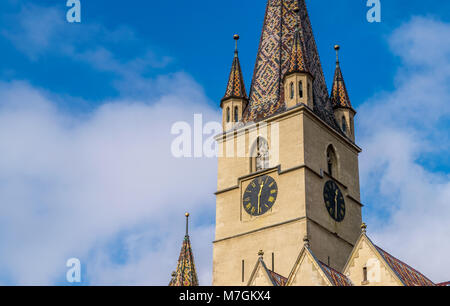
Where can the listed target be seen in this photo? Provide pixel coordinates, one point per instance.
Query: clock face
(334, 201)
(260, 195)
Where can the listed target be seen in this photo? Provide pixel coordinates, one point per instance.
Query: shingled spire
(235, 100)
(343, 110)
(185, 274)
(272, 62)
(339, 94)
(235, 86)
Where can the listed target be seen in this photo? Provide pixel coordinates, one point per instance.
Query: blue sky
(77, 98)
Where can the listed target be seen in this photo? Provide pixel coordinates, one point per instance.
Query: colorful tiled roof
(445, 284)
(235, 85)
(298, 58)
(272, 62)
(279, 280)
(339, 94)
(335, 277)
(275, 278)
(185, 274)
(407, 275)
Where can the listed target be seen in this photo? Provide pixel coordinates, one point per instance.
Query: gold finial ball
(364, 227)
(261, 253)
(187, 214)
(236, 37)
(337, 47)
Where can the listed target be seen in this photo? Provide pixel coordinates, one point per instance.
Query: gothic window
(236, 114)
(300, 89)
(365, 274)
(344, 124)
(331, 161)
(292, 90)
(228, 114)
(260, 155)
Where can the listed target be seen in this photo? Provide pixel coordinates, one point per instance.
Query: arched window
(228, 114)
(300, 89)
(344, 124)
(292, 90)
(236, 114)
(260, 155)
(331, 161)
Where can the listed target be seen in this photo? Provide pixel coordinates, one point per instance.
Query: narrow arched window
(292, 90)
(300, 89)
(236, 114)
(228, 114)
(344, 124)
(260, 155)
(331, 161)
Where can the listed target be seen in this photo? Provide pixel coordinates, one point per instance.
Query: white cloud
(71, 184)
(410, 203)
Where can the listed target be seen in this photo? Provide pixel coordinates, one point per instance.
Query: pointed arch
(228, 114)
(344, 124)
(236, 114)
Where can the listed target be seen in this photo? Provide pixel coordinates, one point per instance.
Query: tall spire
(339, 94)
(235, 86)
(272, 62)
(185, 274)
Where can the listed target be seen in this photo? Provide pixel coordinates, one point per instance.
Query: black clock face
(334, 201)
(260, 195)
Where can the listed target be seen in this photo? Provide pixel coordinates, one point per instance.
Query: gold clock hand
(259, 197)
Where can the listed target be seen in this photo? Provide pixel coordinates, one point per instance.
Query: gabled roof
(274, 278)
(445, 284)
(333, 277)
(235, 85)
(185, 274)
(407, 275)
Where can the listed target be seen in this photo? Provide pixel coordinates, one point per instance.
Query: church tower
(288, 170)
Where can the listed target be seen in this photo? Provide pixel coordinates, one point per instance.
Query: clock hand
(336, 203)
(259, 197)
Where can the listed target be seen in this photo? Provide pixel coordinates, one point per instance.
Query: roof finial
(364, 228)
(236, 38)
(187, 223)
(261, 254)
(306, 241)
(337, 48)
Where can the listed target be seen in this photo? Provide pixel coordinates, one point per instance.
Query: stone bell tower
(298, 178)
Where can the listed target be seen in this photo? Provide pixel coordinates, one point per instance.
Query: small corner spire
(235, 86)
(339, 94)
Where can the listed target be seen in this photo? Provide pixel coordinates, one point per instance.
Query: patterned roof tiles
(339, 94)
(407, 275)
(272, 62)
(185, 274)
(335, 277)
(235, 85)
(278, 279)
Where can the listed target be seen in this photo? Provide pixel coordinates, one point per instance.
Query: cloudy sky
(86, 112)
